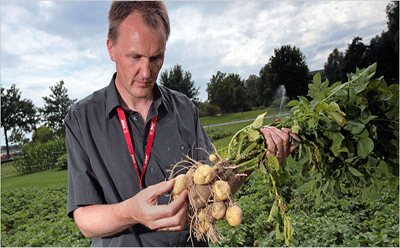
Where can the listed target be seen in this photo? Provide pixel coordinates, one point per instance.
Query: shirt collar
(112, 101)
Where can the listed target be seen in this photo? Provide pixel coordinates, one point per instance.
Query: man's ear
(110, 48)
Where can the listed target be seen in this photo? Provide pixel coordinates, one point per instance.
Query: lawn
(209, 120)
(10, 180)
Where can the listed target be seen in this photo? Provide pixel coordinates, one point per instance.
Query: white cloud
(245, 33)
(14, 14)
(46, 10)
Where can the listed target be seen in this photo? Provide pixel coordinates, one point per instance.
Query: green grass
(10, 179)
(209, 120)
(7, 170)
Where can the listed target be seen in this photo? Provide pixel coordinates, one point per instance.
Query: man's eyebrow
(156, 54)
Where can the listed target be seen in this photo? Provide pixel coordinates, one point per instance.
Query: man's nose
(145, 70)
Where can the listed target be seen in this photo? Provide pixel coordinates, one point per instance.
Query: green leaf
(337, 144)
(321, 106)
(365, 147)
(354, 127)
(295, 129)
(355, 172)
(317, 79)
(369, 118)
(333, 106)
(253, 134)
(293, 103)
(259, 121)
(274, 211)
(338, 118)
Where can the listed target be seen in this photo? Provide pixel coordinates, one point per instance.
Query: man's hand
(144, 209)
(278, 142)
(107, 219)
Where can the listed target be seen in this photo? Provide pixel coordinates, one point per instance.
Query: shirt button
(182, 147)
(151, 170)
(135, 118)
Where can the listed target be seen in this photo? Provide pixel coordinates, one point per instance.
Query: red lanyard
(150, 139)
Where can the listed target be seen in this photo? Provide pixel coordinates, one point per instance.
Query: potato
(221, 190)
(234, 215)
(198, 195)
(212, 158)
(204, 174)
(202, 214)
(180, 185)
(202, 227)
(218, 210)
(190, 173)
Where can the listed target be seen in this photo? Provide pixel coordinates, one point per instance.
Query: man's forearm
(102, 220)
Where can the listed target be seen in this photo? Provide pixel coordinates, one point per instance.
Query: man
(122, 139)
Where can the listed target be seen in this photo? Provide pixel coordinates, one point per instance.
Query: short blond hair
(154, 14)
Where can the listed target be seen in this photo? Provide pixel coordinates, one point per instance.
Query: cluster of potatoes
(210, 198)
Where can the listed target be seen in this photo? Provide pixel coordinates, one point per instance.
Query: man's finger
(166, 211)
(293, 135)
(161, 188)
(269, 141)
(174, 217)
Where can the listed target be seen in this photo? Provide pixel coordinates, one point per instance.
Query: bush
(62, 162)
(207, 109)
(38, 156)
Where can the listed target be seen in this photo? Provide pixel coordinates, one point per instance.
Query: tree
(240, 102)
(355, 56)
(384, 49)
(267, 77)
(17, 136)
(251, 86)
(289, 68)
(16, 113)
(56, 107)
(221, 92)
(392, 13)
(333, 67)
(180, 81)
(42, 134)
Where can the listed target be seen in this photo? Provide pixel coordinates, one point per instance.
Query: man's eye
(155, 58)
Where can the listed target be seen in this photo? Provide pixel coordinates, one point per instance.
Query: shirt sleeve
(83, 187)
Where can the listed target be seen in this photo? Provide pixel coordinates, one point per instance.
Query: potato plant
(349, 134)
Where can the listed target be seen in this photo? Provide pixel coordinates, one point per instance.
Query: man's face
(138, 55)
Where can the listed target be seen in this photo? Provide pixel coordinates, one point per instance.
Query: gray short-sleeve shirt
(100, 169)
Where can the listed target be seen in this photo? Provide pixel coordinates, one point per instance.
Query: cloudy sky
(44, 42)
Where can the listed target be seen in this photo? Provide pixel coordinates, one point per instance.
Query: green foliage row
(347, 220)
(36, 217)
(38, 156)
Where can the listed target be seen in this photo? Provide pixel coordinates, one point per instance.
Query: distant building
(322, 72)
